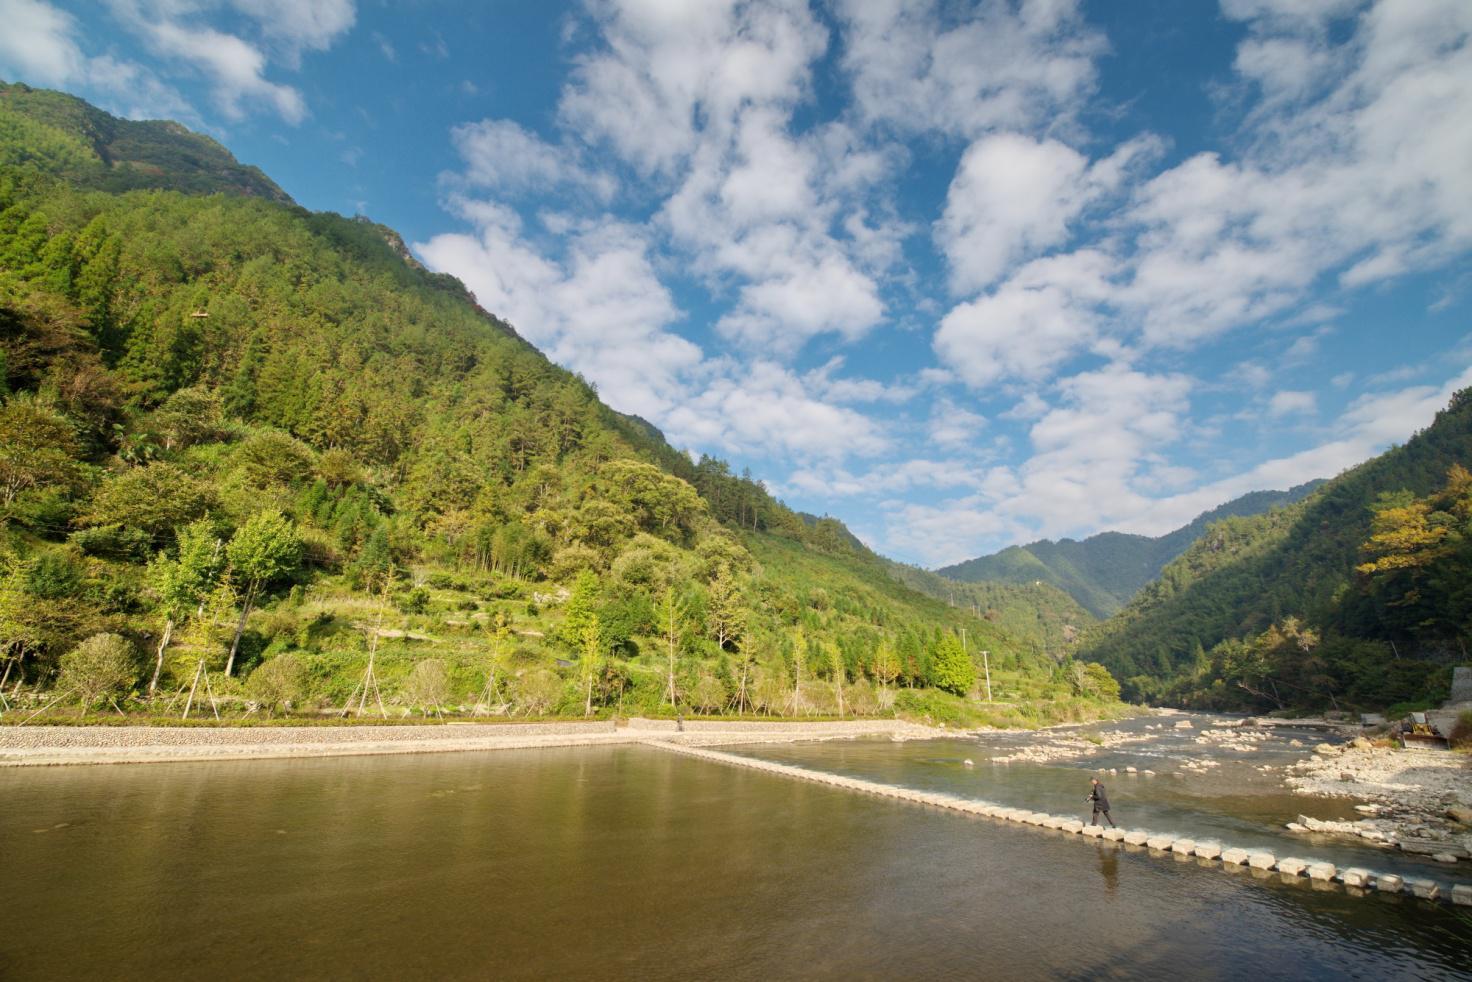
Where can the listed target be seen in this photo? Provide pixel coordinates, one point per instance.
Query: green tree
(582, 609)
(265, 549)
(592, 659)
(950, 668)
(182, 583)
(278, 683)
(38, 448)
(103, 667)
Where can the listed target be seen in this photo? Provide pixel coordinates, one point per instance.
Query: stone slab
(1209, 850)
(1114, 835)
(1356, 876)
(1072, 825)
(1136, 838)
(1161, 842)
(1462, 894)
(1262, 860)
(1185, 847)
(1292, 866)
(1424, 889)
(1389, 883)
(1093, 831)
(1322, 872)
(1235, 857)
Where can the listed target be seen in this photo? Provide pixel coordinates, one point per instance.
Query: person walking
(1101, 803)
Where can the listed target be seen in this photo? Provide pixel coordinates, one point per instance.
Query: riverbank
(57, 745)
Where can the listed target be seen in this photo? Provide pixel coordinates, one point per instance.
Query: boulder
(1235, 857)
(1262, 860)
(1444, 857)
(1356, 876)
(1185, 724)
(1389, 883)
(1423, 888)
(1322, 872)
(1326, 750)
(1460, 815)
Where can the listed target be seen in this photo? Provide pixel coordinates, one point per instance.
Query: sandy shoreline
(59, 745)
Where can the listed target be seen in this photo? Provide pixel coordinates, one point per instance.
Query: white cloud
(916, 67)
(37, 42)
(1292, 403)
(501, 155)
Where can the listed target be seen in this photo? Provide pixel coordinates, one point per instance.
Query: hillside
(1104, 571)
(1035, 613)
(239, 434)
(1355, 596)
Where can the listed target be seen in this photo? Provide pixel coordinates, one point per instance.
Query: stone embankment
(1354, 880)
(40, 745)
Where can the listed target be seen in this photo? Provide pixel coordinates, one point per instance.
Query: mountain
(1359, 595)
(1037, 613)
(239, 432)
(1103, 571)
(62, 134)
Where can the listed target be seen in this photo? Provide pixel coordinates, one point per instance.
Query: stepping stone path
(1356, 878)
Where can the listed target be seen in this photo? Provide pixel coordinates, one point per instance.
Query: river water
(628, 862)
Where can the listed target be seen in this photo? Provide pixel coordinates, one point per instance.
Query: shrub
(538, 691)
(278, 683)
(1460, 737)
(428, 685)
(103, 667)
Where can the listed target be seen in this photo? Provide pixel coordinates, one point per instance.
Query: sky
(964, 275)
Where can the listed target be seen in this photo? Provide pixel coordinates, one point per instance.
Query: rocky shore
(1418, 801)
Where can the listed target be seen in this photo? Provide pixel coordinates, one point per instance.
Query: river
(627, 862)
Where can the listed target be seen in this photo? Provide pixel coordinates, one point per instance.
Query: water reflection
(1109, 869)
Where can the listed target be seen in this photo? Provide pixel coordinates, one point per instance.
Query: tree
(592, 659)
(428, 685)
(950, 668)
(278, 682)
(38, 448)
(839, 670)
(581, 609)
(182, 583)
(886, 666)
(264, 549)
(671, 612)
(726, 612)
(103, 667)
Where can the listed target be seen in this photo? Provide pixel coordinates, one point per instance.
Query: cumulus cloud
(501, 155)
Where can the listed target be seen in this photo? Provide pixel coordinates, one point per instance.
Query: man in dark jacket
(1101, 804)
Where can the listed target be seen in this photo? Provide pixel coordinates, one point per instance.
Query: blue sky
(963, 275)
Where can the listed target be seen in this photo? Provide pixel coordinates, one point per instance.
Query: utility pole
(987, 666)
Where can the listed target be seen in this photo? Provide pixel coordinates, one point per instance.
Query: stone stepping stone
(1093, 831)
(1292, 866)
(1321, 872)
(1462, 894)
(1424, 889)
(1262, 860)
(1184, 847)
(1073, 825)
(1389, 883)
(1161, 842)
(1114, 835)
(1136, 838)
(1235, 857)
(1356, 876)
(1209, 850)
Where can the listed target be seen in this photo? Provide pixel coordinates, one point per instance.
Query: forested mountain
(1104, 571)
(238, 433)
(1036, 612)
(1359, 595)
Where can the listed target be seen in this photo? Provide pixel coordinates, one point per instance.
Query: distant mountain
(1037, 613)
(1104, 571)
(1358, 596)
